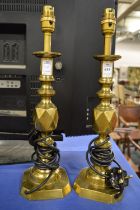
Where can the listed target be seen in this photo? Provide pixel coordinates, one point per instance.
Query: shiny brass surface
(46, 119)
(89, 184)
(57, 186)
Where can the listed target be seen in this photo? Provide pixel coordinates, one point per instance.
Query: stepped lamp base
(57, 186)
(87, 187)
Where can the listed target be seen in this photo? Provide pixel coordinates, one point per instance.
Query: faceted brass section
(46, 117)
(89, 184)
(57, 186)
(107, 119)
(45, 120)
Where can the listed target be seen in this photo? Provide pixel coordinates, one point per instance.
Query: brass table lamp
(45, 180)
(100, 182)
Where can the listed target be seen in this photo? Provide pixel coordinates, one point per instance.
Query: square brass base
(84, 188)
(57, 186)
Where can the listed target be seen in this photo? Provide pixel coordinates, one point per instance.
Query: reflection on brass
(46, 119)
(90, 184)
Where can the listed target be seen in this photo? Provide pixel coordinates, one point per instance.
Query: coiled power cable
(97, 155)
(45, 157)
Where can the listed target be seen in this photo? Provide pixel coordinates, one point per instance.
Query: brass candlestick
(100, 182)
(46, 180)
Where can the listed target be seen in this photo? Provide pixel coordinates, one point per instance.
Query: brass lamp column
(45, 180)
(100, 182)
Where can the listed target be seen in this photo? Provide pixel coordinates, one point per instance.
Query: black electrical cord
(43, 161)
(97, 155)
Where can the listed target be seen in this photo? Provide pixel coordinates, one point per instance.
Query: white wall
(130, 52)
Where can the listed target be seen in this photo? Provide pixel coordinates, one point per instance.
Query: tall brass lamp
(100, 182)
(45, 180)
